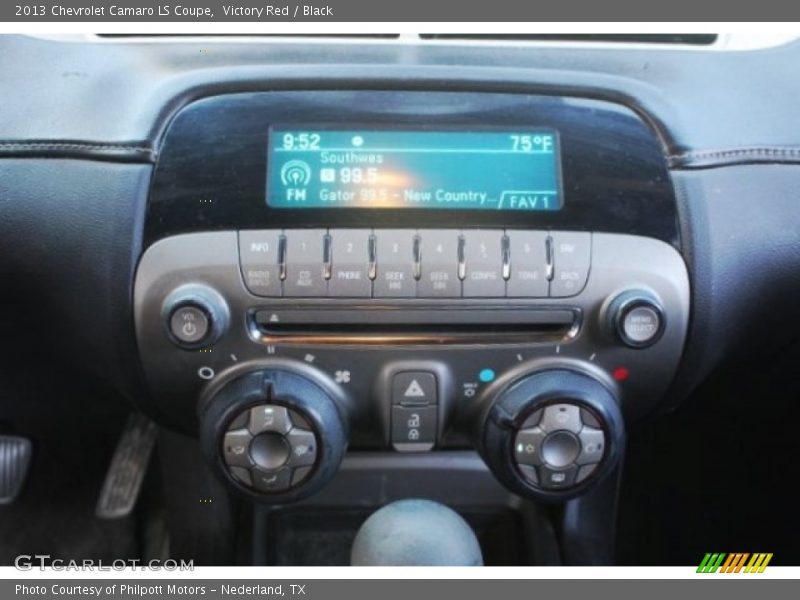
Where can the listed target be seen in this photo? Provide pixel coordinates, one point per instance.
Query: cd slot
(418, 325)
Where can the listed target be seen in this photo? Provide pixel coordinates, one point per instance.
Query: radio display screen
(506, 170)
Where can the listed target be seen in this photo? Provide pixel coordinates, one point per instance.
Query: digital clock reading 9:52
(450, 170)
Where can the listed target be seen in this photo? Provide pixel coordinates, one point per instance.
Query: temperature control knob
(276, 434)
(552, 434)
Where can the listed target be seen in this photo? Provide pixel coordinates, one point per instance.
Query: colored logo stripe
(758, 563)
(734, 562)
(711, 563)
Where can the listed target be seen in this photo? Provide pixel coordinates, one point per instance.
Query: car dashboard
(332, 274)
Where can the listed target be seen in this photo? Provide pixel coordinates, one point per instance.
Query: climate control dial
(551, 434)
(277, 434)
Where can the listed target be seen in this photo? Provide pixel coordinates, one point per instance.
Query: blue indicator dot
(486, 375)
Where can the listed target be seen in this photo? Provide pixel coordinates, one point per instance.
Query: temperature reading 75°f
(542, 144)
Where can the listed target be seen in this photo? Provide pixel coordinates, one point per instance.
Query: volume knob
(194, 316)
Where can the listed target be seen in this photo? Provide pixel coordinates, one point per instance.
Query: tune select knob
(276, 434)
(552, 434)
(636, 319)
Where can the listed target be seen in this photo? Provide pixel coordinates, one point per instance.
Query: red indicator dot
(620, 374)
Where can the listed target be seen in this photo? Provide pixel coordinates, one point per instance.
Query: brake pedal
(15, 460)
(127, 469)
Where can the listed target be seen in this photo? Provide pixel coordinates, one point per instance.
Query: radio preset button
(258, 253)
(571, 258)
(439, 261)
(304, 263)
(483, 259)
(350, 263)
(394, 253)
(527, 251)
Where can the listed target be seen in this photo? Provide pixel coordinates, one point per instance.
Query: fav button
(571, 262)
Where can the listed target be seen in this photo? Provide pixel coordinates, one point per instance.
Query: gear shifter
(416, 533)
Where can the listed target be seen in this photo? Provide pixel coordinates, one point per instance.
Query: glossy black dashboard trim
(212, 161)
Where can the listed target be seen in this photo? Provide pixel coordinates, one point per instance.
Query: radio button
(350, 263)
(304, 263)
(483, 258)
(258, 254)
(528, 264)
(572, 259)
(439, 260)
(395, 264)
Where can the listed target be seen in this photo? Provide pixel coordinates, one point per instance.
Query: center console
(409, 272)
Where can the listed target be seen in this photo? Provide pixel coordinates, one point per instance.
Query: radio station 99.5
(349, 175)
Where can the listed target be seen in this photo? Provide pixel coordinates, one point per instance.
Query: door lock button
(414, 428)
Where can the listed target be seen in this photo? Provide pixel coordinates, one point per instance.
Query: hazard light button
(414, 388)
